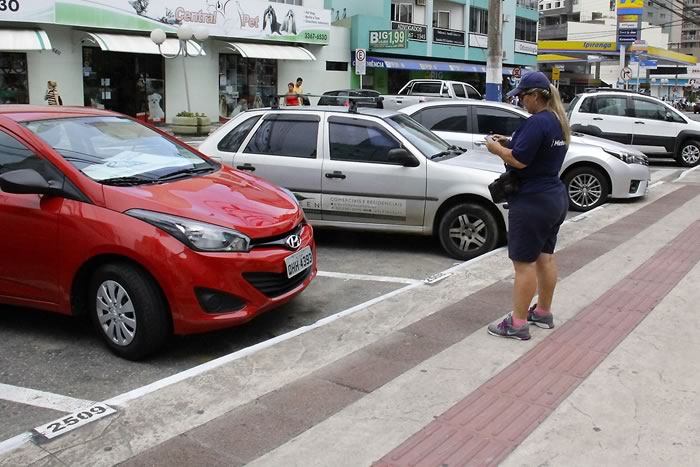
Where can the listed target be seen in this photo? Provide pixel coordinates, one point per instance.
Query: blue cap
(532, 80)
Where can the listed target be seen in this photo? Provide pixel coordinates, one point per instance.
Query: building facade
(445, 39)
(100, 53)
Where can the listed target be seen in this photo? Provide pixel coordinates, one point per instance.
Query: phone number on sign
(312, 36)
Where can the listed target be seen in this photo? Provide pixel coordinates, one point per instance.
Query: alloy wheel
(468, 233)
(690, 154)
(585, 190)
(115, 313)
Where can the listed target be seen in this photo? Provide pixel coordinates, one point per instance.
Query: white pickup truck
(424, 90)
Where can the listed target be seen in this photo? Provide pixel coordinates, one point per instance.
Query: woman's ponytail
(557, 108)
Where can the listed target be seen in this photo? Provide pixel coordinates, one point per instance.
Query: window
(478, 20)
(650, 110)
(444, 118)
(289, 2)
(496, 121)
(557, 4)
(472, 93)
(232, 141)
(14, 86)
(525, 30)
(336, 66)
(611, 105)
(426, 88)
(441, 19)
(356, 141)
(16, 156)
(459, 90)
(286, 135)
(402, 12)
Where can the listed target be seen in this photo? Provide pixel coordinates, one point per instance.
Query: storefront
(14, 85)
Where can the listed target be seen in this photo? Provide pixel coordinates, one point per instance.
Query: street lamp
(185, 34)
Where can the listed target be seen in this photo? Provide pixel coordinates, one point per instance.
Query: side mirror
(26, 182)
(402, 157)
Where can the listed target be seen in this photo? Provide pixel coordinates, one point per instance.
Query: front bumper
(629, 180)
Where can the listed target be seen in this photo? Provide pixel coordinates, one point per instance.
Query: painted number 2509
(12, 5)
(55, 427)
(74, 420)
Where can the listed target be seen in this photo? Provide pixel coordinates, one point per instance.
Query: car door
(450, 122)
(655, 126)
(283, 148)
(606, 116)
(360, 184)
(29, 233)
(488, 120)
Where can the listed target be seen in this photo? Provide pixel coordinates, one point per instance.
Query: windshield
(114, 148)
(427, 142)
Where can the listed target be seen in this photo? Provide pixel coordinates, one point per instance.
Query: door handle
(336, 174)
(639, 123)
(247, 167)
(597, 118)
(479, 143)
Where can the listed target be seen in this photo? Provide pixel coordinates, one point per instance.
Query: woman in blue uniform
(535, 154)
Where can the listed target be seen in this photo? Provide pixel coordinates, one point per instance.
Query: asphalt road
(63, 358)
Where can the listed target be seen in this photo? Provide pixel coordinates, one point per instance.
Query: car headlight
(629, 158)
(197, 235)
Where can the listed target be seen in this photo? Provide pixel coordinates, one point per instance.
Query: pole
(360, 81)
(187, 87)
(622, 62)
(494, 61)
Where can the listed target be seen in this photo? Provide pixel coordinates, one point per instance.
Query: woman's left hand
(492, 145)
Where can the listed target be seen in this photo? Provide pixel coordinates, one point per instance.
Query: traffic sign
(556, 72)
(516, 72)
(360, 62)
(626, 73)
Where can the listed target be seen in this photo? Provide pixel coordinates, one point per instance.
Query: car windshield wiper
(451, 150)
(185, 172)
(126, 181)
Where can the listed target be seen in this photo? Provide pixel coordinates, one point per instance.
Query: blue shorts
(533, 223)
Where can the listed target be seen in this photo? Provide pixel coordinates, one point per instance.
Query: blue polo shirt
(539, 144)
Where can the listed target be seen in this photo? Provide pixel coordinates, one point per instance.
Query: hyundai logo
(293, 241)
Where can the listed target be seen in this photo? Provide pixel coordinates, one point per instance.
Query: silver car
(369, 169)
(594, 170)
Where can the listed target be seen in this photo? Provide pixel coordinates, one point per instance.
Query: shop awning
(275, 52)
(24, 40)
(427, 65)
(138, 44)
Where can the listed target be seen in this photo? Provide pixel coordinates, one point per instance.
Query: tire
(468, 230)
(586, 187)
(142, 321)
(688, 154)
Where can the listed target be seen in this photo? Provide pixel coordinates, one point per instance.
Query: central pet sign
(223, 18)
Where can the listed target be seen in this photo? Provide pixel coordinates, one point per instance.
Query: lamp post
(185, 34)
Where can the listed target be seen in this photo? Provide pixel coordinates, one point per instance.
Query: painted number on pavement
(71, 422)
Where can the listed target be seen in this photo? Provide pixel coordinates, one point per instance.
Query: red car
(104, 216)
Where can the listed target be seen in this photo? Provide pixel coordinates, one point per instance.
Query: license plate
(299, 261)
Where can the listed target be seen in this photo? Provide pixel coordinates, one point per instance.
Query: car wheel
(586, 187)
(468, 230)
(128, 310)
(689, 153)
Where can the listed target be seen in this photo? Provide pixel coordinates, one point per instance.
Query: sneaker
(505, 329)
(544, 322)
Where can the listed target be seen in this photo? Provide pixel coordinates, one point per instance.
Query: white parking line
(368, 277)
(42, 399)
(686, 172)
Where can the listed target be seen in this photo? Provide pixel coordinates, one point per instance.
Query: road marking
(14, 442)
(367, 277)
(686, 172)
(660, 174)
(45, 400)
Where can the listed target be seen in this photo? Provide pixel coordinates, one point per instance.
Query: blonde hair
(555, 106)
(52, 84)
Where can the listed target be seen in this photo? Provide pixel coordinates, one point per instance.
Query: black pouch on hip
(504, 186)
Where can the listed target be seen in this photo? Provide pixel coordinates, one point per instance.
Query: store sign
(388, 39)
(250, 19)
(529, 48)
(630, 7)
(629, 20)
(479, 41)
(416, 32)
(448, 36)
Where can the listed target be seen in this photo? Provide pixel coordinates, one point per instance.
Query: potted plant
(188, 123)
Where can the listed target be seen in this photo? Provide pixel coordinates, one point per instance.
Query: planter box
(199, 126)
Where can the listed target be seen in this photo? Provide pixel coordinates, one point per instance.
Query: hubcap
(585, 190)
(468, 233)
(690, 154)
(115, 312)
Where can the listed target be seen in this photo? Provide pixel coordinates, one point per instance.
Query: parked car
(646, 123)
(369, 169)
(116, 221)
(594, 169)
(363, 98)
(424, 90)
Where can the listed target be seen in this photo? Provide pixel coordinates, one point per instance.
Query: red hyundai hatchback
(105, 216)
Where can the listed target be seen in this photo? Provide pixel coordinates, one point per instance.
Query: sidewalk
(415, 379)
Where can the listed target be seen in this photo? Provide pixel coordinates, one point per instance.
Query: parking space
(50, 363)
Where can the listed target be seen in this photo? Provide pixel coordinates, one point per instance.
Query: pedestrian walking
(52, 97)
(291, 99)
(534, 154)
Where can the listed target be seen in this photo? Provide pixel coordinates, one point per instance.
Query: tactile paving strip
(486, 426)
